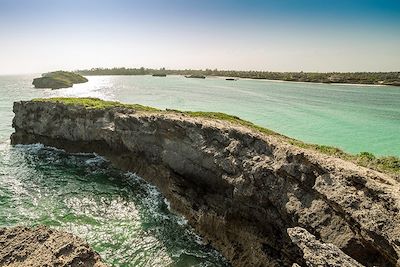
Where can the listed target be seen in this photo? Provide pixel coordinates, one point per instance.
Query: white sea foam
(31, 147)
(4, 144)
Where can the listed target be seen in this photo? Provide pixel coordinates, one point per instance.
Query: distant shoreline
(282, 81)
(355, 78)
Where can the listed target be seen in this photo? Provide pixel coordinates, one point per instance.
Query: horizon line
(193, 69)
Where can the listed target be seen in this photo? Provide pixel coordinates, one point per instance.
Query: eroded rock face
(317, 253)
(41, 246)
(239, 189)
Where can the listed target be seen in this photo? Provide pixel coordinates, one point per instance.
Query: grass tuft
(94, 103)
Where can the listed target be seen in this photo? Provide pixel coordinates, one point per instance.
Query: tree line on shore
(385, 78)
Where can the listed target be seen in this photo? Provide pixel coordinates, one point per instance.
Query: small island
(196, 76)
(58, 80)
(159, 75)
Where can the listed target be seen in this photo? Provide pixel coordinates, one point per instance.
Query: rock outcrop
(41, 246)
(58, 80)
(317, 253)
(241, 190)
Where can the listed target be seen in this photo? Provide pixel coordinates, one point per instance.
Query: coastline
(222, 77)
(283, 81)
(241, 188)
(255, 79)
(367, 78)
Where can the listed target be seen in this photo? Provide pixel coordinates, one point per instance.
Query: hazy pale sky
(288, 35)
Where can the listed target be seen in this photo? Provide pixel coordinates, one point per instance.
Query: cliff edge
(239, 188)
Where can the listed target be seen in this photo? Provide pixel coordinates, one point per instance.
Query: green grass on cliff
(95, 103)
(225, 117)
(386, 164)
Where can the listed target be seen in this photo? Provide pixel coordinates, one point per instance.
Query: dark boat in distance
(197, 76)
(231, 79)
(159, 75)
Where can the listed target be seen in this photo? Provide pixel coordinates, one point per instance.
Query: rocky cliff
(317, 253)
(241, 190)
(41, 246)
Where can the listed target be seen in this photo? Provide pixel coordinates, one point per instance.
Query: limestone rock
(238, 188)
(41, 246)
(317, 253)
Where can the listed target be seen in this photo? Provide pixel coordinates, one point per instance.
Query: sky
(286, 35)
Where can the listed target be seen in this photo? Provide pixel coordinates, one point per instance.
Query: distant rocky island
(58, 80)
(377, 78)
(159, 75)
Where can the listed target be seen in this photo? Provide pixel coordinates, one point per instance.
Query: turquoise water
(124, 218)
(127, 220)
(352, 117)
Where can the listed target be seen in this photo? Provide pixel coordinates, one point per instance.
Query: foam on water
(124, 218)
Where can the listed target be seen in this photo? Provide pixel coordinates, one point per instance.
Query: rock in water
(41, 246)
(196, 76)
(58, 80)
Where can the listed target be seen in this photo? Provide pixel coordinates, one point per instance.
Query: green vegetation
(384, 78)
(225, 117)
(65, 75)
(387, 164)
(94, 103)
(58, 79)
